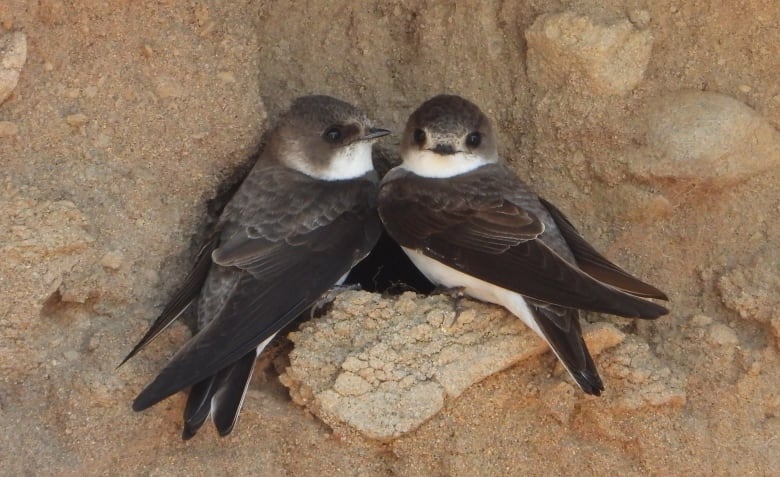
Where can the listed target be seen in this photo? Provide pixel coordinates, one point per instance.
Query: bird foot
(457, 294)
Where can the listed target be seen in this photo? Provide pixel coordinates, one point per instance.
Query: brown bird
(305, 214)
(469, 223)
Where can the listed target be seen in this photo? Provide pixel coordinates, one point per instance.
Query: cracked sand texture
(128, 115)
(385, 366)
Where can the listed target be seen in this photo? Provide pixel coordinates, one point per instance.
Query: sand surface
(652, 124)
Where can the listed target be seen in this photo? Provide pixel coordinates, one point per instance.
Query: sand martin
(468, 222)
(304, 215)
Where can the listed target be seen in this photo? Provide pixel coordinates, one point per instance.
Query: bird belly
(443, 275)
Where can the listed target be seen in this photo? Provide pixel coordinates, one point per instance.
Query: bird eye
(474, 139)
(332, 134)
(419, 136)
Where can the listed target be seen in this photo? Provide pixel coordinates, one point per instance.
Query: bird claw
(456, 294)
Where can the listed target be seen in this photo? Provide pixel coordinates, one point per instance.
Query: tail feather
(561, 329)
(221, 396)
(227, 401)
(198, 406)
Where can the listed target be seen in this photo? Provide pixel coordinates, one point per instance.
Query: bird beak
(443, 149)
(375, 133)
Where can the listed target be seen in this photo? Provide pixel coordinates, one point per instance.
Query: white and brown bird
(304, 215)
(468, 222)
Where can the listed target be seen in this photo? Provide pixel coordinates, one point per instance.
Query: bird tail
(220, 396)
(561, 329)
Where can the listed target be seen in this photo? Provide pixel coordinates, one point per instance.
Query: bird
(301, 219)
(470, 224)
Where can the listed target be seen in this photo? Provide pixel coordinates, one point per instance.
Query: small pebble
(76, 120)
(701, 320)
(168, 88)
(639, 17)
(226, 76)
(8, 129)
(112, 260)
(13, 54)
(721, 335)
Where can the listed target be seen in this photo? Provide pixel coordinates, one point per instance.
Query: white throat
(427, 163)
(348, 162)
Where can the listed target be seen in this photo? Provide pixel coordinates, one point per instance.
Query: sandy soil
(130, 115)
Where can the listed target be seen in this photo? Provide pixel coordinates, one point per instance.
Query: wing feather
(279, 252)
(489, 225)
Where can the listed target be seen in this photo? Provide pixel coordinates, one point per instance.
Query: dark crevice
(388, 270)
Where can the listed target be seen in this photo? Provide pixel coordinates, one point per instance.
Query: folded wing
(270, 266)
(481, 224)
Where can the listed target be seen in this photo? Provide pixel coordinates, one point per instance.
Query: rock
(112, 260)
(753, 292)
(701, 320)
(76, 120)
(13, 54)
(385, 366)
(721, 335)
(167, 87)
(566, 49)
(602, 335)
(705, 137)
(637, 378)
(40, 242)
(8, 129)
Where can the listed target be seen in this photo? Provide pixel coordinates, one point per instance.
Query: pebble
(701, 320)
(112, 260)
(567, 49)
(13, 54)
(705, 137)
(8, 129)
(226, 76)
(721, 335)
(166, 87)
(639, 17)
(76, 120)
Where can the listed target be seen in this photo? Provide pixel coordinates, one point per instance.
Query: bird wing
(286, 239)
(596, 265)
(181, 299)
(481, 224)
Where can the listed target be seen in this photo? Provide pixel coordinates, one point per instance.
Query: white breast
(448, 277)
(349, 162)
(426, 163)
